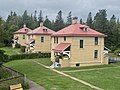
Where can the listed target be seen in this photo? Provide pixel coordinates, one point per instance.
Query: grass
(45, 77)
(10, 50)
(86, 67)
(108, 79)
(4, 74)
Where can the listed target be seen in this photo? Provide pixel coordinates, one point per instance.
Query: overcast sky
(79, 8)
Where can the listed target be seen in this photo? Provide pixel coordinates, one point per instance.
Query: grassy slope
(108, 79)
(48, 79)
(10, 50)
(4, 74)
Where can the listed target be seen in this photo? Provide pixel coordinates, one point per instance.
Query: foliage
(117, 52)
(89, 20)
(3, 57)
(29, 56)
(17, 45)
(99, 22)
(23, 49)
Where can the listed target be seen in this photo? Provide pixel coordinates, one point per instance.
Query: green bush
(23, 48)
(29, 56)
(17, 45)
(2, 45)
(3, 57)
(116, 52)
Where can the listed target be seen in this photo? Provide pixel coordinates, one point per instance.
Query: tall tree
(69, 18)
(40, 18)
(89, 21)
(48, 23)
(81, 21)
(100, 21)
(59, 23)
(2, 33)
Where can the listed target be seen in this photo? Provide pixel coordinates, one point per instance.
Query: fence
(16, 77)
(114, 59)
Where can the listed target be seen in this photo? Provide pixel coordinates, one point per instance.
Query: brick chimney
(74, 20)
(24, 25)
(41, 24)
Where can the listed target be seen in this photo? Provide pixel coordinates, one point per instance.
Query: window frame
(81, 41)
(55, 39)
(24, 37)
(95, 54)
(64, 38)
(96, 40)
(42, 39)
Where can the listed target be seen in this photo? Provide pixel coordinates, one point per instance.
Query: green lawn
(45, 77)
(10, 50)
(108, 79)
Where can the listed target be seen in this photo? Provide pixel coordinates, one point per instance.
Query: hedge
(30, 56)
(7, 58)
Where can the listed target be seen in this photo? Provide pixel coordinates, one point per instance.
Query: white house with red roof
(77, 45)
(20, 36)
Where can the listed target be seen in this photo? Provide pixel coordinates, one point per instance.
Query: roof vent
(45, 30)
(74, 20)
(85, 29)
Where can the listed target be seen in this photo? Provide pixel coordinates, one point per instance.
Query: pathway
(34, 86)
(73, 78)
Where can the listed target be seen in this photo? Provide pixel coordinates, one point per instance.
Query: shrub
(116, 52)
(2, 45)
(29, 56)
(23, 48)
(3, 57)
(17, 45)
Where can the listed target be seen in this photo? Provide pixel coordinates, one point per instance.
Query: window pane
(64, 38)
(42, 39)
(81, 43)
(23, 36)
(96, 54)
(96, 40)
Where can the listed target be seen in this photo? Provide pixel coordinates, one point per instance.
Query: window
(96, 54)
(23, 36)
(42, 39)
(96, 40)
(81, 43)
(78, 64)
(55, 39)
(64, 38)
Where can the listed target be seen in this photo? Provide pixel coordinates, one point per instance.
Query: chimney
(74, 20)
(41, 24)
(24, 25)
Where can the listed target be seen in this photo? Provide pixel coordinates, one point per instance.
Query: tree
(81, 21)
(69, 19)
(40, 18)
(100, 21)
(48, 23)
(59, 23)
(2, 33)
(89, 20)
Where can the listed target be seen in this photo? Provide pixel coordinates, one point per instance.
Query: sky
(79, 8)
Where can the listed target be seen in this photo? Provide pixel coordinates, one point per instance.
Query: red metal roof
(41, 30)
(61, 47)
(24, 30)
(77, 30)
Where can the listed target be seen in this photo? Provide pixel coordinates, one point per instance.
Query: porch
(62, 55)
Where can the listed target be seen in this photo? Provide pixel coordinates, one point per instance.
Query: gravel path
(34, 86)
